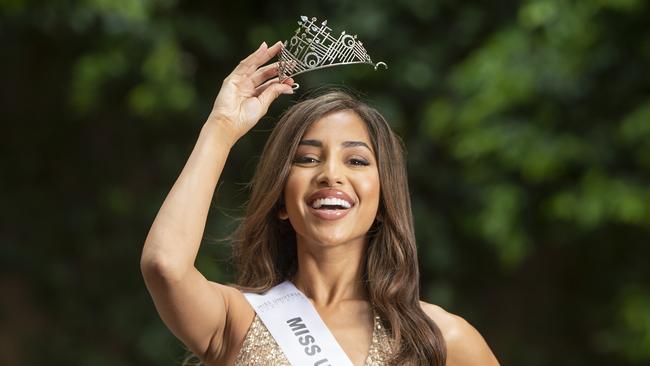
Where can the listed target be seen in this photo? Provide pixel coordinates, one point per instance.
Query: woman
(329, 212)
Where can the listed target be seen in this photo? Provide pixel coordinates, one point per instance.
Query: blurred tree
(527, 125)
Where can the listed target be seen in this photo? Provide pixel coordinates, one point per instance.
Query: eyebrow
(345, 144)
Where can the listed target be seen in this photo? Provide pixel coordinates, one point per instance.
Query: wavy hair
(265, 246)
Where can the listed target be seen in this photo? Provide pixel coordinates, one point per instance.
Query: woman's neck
(329, 276)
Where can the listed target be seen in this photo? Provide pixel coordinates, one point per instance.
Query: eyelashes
(310, 160)
(304, 160)
(360, 162)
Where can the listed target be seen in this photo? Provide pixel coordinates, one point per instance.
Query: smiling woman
(326, 248)
(323, 151)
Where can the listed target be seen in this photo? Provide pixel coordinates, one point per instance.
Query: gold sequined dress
(260, 348)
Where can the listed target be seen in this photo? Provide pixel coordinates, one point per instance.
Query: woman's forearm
(173, 241)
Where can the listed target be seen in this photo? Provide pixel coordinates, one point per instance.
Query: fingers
(272, 91)
(261, 56)
(260, 89)
(264, 73)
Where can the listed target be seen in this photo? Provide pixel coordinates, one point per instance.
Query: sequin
(260, 349)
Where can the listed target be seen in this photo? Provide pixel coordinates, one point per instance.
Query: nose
(330, 174)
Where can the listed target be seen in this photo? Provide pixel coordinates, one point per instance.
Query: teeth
(330, 202)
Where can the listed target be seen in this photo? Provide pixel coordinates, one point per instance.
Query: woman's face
(332, 192)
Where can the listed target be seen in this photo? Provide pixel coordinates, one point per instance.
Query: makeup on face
(332, 192)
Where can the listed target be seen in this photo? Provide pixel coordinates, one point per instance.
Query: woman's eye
(359, 162)
(304, 160)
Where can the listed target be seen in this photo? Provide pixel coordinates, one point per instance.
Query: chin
(329, 242)
(332, 240)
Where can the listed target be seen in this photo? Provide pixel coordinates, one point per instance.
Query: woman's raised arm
(195, 309)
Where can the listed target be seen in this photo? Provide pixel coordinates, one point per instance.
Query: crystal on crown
(312, 48)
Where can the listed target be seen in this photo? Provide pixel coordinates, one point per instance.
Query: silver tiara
(313, 48)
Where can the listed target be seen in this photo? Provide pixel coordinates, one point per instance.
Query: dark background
(527, 125)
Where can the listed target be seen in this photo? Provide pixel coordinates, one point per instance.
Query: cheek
(369, 189)
(293, 189)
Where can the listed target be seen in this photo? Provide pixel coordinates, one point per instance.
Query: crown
(313, 48)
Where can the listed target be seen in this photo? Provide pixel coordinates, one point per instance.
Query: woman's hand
(247, 92)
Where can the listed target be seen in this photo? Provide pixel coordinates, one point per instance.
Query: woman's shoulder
(465, 345)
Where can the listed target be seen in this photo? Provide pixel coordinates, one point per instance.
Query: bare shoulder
(465, 345)
(239, 318)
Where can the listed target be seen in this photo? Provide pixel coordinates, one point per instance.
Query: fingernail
(287, 91)
(263, 45)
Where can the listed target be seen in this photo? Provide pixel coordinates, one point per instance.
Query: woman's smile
(330, 204)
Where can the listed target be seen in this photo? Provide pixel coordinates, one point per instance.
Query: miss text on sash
(300, 330)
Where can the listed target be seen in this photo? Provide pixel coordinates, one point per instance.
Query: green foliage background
(527, 125)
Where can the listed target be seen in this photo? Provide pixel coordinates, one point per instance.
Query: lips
(329, 195)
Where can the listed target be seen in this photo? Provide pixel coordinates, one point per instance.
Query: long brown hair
(265, 246)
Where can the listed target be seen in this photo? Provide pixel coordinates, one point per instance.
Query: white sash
(297, 328)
